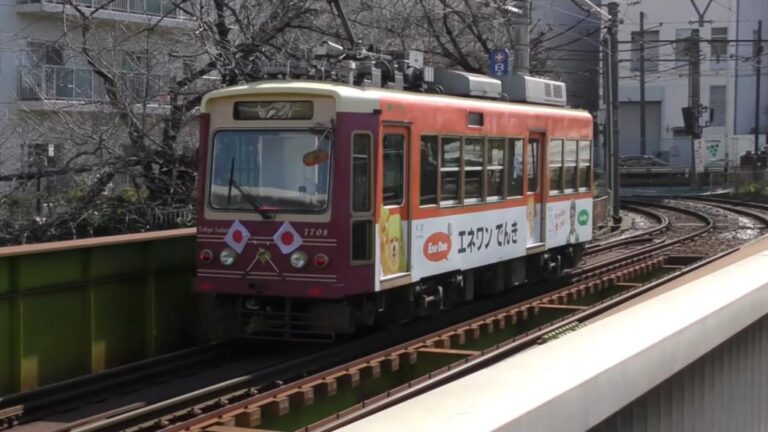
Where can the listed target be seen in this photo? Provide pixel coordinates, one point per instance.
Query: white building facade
(727, 78)
(43, 77)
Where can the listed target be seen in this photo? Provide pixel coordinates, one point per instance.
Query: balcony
(65, 86)
(161, 12)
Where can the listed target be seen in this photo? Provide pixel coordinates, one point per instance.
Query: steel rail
(240, 400)
(639, 237)
(739, 209)
(504, 351)
(31, 405)
(655, 247)
(520, 309)
(238, 392)
(708, 199)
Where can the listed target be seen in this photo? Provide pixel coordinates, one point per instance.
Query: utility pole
(643, 142)
(757, 52)
(694, 95)
(613, 106)
(693, 50)
(522, 63)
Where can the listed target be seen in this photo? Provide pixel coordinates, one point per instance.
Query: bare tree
(118, 136)
(130, 126)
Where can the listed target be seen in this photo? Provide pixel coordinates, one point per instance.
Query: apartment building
(727, 79)
(53, 104)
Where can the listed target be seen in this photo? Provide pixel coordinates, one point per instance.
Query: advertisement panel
(569, 222)
(466, 241)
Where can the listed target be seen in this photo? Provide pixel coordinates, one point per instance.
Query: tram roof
(366, 99)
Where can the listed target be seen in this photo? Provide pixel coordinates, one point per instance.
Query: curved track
(280, 381)
(636, 237)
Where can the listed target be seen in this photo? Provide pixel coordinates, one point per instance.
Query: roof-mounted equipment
(523, 88)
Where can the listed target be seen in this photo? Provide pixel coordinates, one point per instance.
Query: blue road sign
(499, 62)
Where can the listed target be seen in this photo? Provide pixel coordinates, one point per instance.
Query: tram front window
(270, 171)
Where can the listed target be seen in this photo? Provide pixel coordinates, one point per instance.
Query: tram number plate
(315, 232)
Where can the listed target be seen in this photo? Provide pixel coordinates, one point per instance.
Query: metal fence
(160, 218)
(164, 8)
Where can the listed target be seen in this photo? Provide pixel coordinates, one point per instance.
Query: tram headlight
(299, 259)
(227, 256)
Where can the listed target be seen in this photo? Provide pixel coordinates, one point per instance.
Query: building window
(514, 167)
(495, 168)
(651, 51)
(679, 132)
(44, 53)
(473, 169)
(450, 169)
(570, 151)
(394, 169)
(585, 164)
(683, 44)
(719, 43)
(555, 166)
(361, 173)
(428, 170)
(717, 103)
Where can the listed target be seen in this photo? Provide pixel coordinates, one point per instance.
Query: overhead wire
(566, 12)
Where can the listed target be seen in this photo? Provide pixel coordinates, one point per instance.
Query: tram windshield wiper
(249, 198)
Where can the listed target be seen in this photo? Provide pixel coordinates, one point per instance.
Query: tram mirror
(315, 157)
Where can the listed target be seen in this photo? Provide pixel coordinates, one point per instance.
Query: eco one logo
(437, 247)
(583, 217)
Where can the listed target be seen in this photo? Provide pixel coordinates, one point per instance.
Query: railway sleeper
(302, 396)
(248, 417)
(276, 407)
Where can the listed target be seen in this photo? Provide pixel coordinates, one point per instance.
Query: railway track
(636, 238)
(315, 393)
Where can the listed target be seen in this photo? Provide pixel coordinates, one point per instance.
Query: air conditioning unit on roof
(467, 84)
(523, 88)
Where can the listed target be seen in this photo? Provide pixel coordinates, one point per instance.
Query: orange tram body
(324, 207)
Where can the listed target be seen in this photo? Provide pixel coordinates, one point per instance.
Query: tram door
(393, 224)
(534, 195)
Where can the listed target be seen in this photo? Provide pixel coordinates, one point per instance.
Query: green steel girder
(73, 308)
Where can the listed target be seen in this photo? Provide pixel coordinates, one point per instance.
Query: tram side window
(569, 161)
(428, 170)
(473, 169)
(585, 164)
(361, 173)
(495, 168)
(394, 169)
(450, 166)
(515, 167)
(555, 166)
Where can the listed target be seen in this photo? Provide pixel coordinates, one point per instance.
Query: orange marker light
(315, 157)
